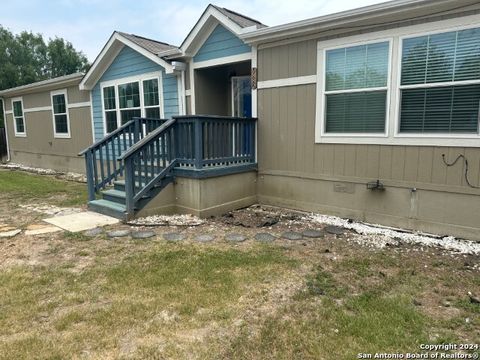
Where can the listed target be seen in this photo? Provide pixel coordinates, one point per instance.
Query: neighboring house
(48, 123)
(371, 114)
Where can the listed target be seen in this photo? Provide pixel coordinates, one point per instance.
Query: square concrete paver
(81, 221)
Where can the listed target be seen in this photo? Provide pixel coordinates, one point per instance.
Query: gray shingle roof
(153, 46)
(241, 20)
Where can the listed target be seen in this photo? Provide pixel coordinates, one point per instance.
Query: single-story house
(371, 114)
(48, 123)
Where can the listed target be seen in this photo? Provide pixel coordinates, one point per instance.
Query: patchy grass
(65, 295)
(26, 186)
(154, 293)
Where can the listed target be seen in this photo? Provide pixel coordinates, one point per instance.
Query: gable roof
(212, 16)
(154, 46)
(149, 48)
(241, 20)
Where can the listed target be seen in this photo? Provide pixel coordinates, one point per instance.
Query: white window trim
(324, 92)
(125, 80)
(24, 133)
(393, 138)
(57, 135)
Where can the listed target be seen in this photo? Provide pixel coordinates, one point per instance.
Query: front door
(241, 96)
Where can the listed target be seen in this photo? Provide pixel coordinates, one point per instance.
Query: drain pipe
(4, 113)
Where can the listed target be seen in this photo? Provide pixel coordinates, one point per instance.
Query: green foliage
(27, 57)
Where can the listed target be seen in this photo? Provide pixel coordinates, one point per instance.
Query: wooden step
(114, 195)
(109, 208)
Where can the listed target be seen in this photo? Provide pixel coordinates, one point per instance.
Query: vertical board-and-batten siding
(131, 63)
(221, 43)
(287, 134)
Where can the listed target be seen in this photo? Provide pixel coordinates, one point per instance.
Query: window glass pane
(109, 98)
(467, 62)
(441, 54)
(335, 68)
(450, 109)
(377, 64)
(129, 95)
(111, 120)
(59, 106)
(357, 67)
(414, 60)
(360, 112)
(128, 115)
(152, 113)
(20, 125)
(150, 92)
(61, 124)
(445, 57)
(17, 108)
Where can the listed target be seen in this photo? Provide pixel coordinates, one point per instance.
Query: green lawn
(26, 186)
(66, 296)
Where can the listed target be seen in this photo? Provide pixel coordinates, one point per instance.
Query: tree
(26, 58)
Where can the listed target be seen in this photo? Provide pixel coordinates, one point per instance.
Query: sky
(88, 24)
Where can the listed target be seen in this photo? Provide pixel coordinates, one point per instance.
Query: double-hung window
(61, 126)
(356, 89)
(124, 101)
(18, 117)
(440, 83)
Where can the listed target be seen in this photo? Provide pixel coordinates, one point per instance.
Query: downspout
(6, 128)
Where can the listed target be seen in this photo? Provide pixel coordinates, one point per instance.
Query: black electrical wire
(461, 156)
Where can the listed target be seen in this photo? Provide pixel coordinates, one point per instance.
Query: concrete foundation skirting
(55, 162)
(204, 197)
(422, 210)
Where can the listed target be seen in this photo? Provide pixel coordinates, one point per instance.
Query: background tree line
(28, 57)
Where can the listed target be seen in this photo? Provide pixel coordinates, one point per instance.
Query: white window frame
(57, 135)
(324, 92)
(401, 87)
(393, 136)
(24, 133)
(125, 80)
(145, 107)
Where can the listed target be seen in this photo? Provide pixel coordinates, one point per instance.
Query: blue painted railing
(101, 163)
(186, 142)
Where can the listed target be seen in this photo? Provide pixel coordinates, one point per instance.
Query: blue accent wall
(131, 63)
(221, 43)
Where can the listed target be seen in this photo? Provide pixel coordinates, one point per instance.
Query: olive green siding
(421, 191)
(40, 148)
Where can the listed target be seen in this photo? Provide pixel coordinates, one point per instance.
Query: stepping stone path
(9, 234)
(143, 234)
(292, 235)
(235, 237)
(204, 238)
(312, 234)
(93, 232)
(174, 237)
(335, 230)
(264, 237)
(118, 233)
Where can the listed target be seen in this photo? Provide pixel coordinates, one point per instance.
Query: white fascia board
(337, 19)
(211, 12)
(99, 67)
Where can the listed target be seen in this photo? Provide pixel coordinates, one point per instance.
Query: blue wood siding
(131, 63)
(221, 43)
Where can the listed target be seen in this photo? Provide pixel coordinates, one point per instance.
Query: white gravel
(167, 220)
(71, 176)
(378, 236)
